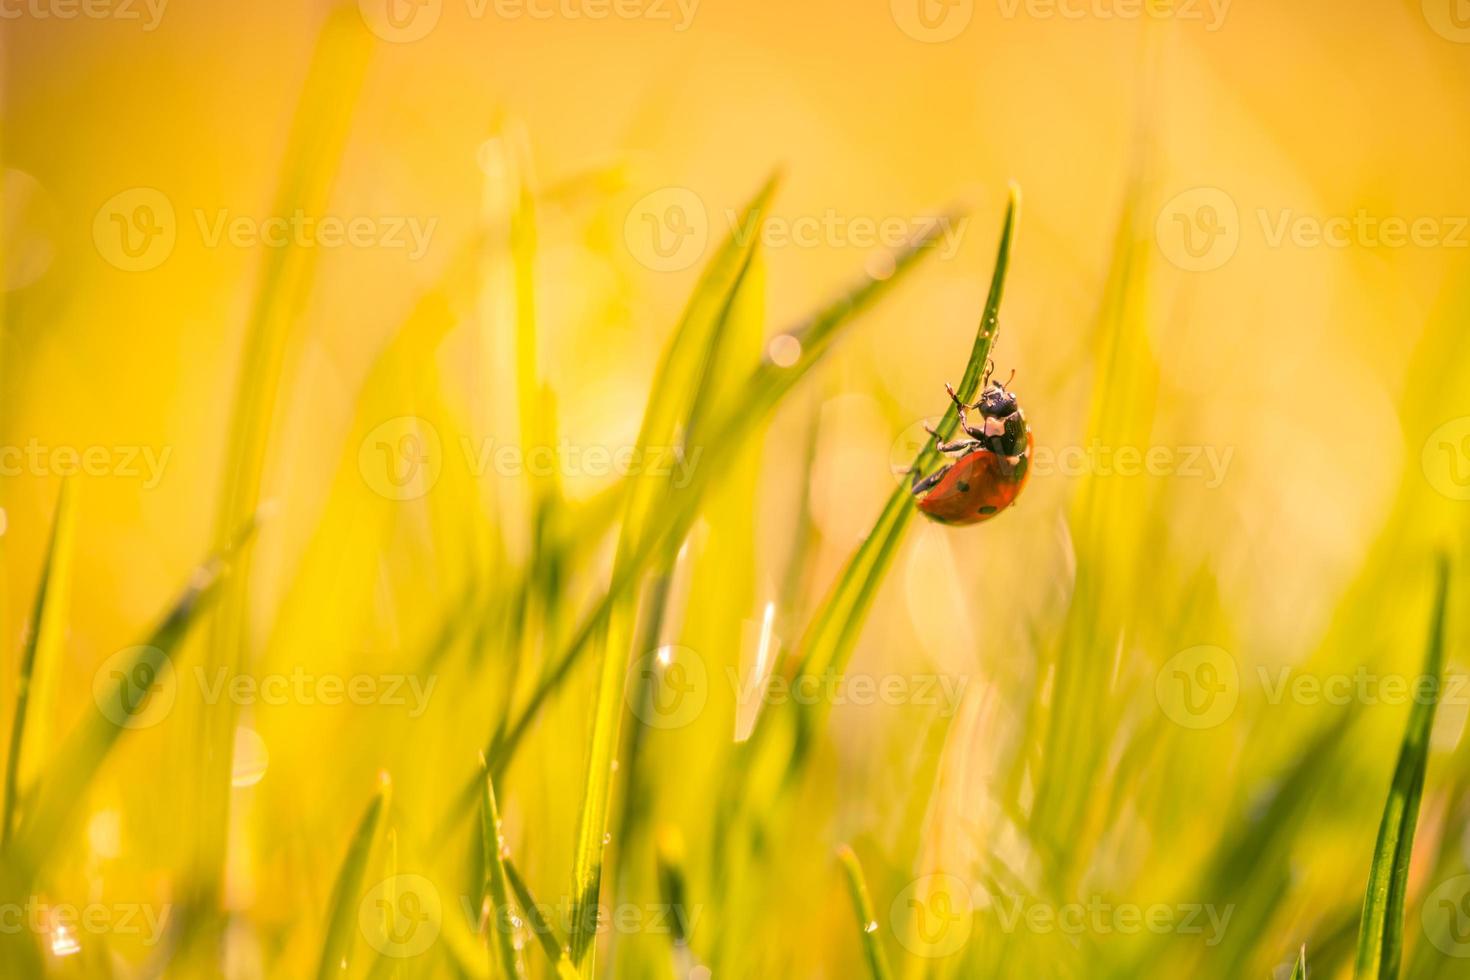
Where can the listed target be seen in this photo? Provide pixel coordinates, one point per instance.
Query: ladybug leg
(926, 484)
(974, 432)
(949, 390)
(958, 445)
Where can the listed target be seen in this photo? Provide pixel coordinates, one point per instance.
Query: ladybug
(990, 467)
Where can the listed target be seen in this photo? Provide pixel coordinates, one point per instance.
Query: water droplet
(784, 350)
(870, 927)
(64, 943)
(251, 758)
(880, 265)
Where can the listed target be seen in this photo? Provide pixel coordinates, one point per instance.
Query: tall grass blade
(1299, 972)
(318, 137)
(867, 923)
(761, 391)
(62, 788)
(502, 922)
(346, 892)
(541, 927)
(42, 645)
(834, 629)
(675, 399)
(1381, 934)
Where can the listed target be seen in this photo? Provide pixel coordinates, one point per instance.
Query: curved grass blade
(42, 642)
(833, 632)
(501, 924)
(337, 946)
(677, 398)
(62, 789)
(545, 933)
(863, 905)
(1381, 934)
(317, 141)
(761, 392)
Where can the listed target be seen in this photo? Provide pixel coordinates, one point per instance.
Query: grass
(610, 832)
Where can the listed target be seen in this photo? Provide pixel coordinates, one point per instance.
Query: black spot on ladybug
(962, 487)
(987, 509)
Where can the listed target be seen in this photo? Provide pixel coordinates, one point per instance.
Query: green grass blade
(1299, 972)
(42, 642)
(677, 397)
(346, 891)
(62, 790)
(551, 941)
(501, 924)
(863, 905)
(316, 143)
(761, 392)
(834, 629)
(1381, 934)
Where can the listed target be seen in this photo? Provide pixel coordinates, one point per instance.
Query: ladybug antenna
(1008, 381)
(989, 370)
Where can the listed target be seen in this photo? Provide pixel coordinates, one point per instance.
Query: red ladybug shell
(978, 486)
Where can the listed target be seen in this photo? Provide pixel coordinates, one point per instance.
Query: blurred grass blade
(42, 645)
(343, 909)
(62, 788)
(1299, 972)
(674, 400)
(316, 144)
(502, 921)
(760, 393)
(1381, 934)
(551, 942)
(672, 886)
(863, 905)
(834, 629)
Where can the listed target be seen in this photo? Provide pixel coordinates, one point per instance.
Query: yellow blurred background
(1280, 188)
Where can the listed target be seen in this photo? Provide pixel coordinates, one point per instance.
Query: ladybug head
(996, 402)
